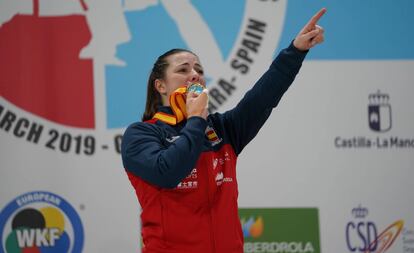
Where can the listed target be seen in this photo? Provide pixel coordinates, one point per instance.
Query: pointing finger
(314, 20)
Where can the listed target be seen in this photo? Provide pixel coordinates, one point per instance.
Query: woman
(181, 161)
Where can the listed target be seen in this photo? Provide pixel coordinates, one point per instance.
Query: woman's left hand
(311, 34)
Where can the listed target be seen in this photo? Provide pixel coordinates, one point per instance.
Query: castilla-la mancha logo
(379, 112)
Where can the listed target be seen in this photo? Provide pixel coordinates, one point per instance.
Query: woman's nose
(195, 76)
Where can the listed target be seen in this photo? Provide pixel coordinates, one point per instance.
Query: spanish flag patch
(212, 136)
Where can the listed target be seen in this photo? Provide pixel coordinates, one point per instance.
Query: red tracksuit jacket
(185, 175)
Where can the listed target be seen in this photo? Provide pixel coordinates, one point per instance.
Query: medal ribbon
(177, 103)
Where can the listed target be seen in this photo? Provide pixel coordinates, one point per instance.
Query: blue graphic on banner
(356, 30)
(154, 32)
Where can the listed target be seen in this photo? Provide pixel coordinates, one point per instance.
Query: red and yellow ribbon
(177, 103)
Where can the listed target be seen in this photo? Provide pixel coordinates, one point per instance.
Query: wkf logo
(40, 222)
(379, 112)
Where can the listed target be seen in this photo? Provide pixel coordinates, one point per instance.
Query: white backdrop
(316, 150)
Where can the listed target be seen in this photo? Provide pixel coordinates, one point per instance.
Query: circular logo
(40, 222)
(93, 74)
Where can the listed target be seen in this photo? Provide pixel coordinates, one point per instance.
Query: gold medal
(196, 88)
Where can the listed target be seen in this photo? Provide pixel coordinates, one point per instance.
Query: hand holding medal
(197, 100)
(195, 87)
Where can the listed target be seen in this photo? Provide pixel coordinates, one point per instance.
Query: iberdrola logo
(288, 230)
(253, 227)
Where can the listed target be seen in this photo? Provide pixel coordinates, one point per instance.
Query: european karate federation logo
(40, 222)
(379, 112)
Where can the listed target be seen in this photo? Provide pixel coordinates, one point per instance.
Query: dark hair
(157, 72)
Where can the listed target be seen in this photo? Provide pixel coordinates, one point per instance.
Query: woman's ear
(160, 86)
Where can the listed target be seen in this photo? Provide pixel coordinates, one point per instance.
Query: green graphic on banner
(280, 230)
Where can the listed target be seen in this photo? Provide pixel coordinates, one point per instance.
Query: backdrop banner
(331, 170)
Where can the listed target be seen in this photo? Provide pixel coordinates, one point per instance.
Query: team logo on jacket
(172, 138)
(220, 179)
(190, 182)
(40, 222)
(220, 160)
(212, 136)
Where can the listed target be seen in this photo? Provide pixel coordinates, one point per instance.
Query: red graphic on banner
(31, 250)
(40, 69)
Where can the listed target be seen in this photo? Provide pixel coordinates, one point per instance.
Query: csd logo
(363, 235)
